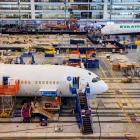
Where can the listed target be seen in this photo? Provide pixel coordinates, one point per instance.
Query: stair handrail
(80, 114)
(88, 109)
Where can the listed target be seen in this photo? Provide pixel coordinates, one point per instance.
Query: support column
(105, 12)
(32, 9)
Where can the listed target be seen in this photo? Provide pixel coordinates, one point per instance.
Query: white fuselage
(127, 28)
(34, 78)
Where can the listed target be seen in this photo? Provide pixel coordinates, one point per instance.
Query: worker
(58, 100)
(87, 89)
(78, 82)
(32, 104)
(26, 112)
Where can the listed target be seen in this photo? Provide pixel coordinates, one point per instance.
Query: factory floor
(115, 114)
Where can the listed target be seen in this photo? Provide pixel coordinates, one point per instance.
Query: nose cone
(99, 87)
(103, 86)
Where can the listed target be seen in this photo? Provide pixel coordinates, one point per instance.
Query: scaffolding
(7, 98)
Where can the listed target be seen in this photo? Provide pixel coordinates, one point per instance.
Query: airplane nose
(102, 86)
(105, 87)
(99, 87)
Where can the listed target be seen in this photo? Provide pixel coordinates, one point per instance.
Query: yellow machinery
(50, 50)
(37, 48)
(137, 42)
(46, 49)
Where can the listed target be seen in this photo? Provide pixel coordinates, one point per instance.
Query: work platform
(10, 89)
(8, 92)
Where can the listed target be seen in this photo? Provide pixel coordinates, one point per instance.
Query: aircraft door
(76, 82)
(83, 84)
(5, 80)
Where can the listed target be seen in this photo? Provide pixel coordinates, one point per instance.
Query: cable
(99, 121)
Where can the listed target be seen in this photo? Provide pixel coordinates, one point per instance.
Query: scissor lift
(8, 91)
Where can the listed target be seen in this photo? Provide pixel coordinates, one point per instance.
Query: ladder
(84, 116)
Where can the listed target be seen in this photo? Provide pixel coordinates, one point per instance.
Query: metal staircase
(82, 109)
(41, 111)
(84, 114)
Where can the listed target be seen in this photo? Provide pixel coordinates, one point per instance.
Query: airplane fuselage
(36, 78)
(120, 29)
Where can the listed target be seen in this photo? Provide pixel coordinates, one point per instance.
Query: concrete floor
(116, 125)
(133, 55)
(119, 114)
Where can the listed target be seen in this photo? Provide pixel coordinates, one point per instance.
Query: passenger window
(46, 82)
(57, 82)
(39, 82)
(50, 82)
(53, 82)
(43, 82)
(36, 82)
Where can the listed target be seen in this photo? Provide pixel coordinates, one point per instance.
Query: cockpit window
(96, 79)
(89, 73)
